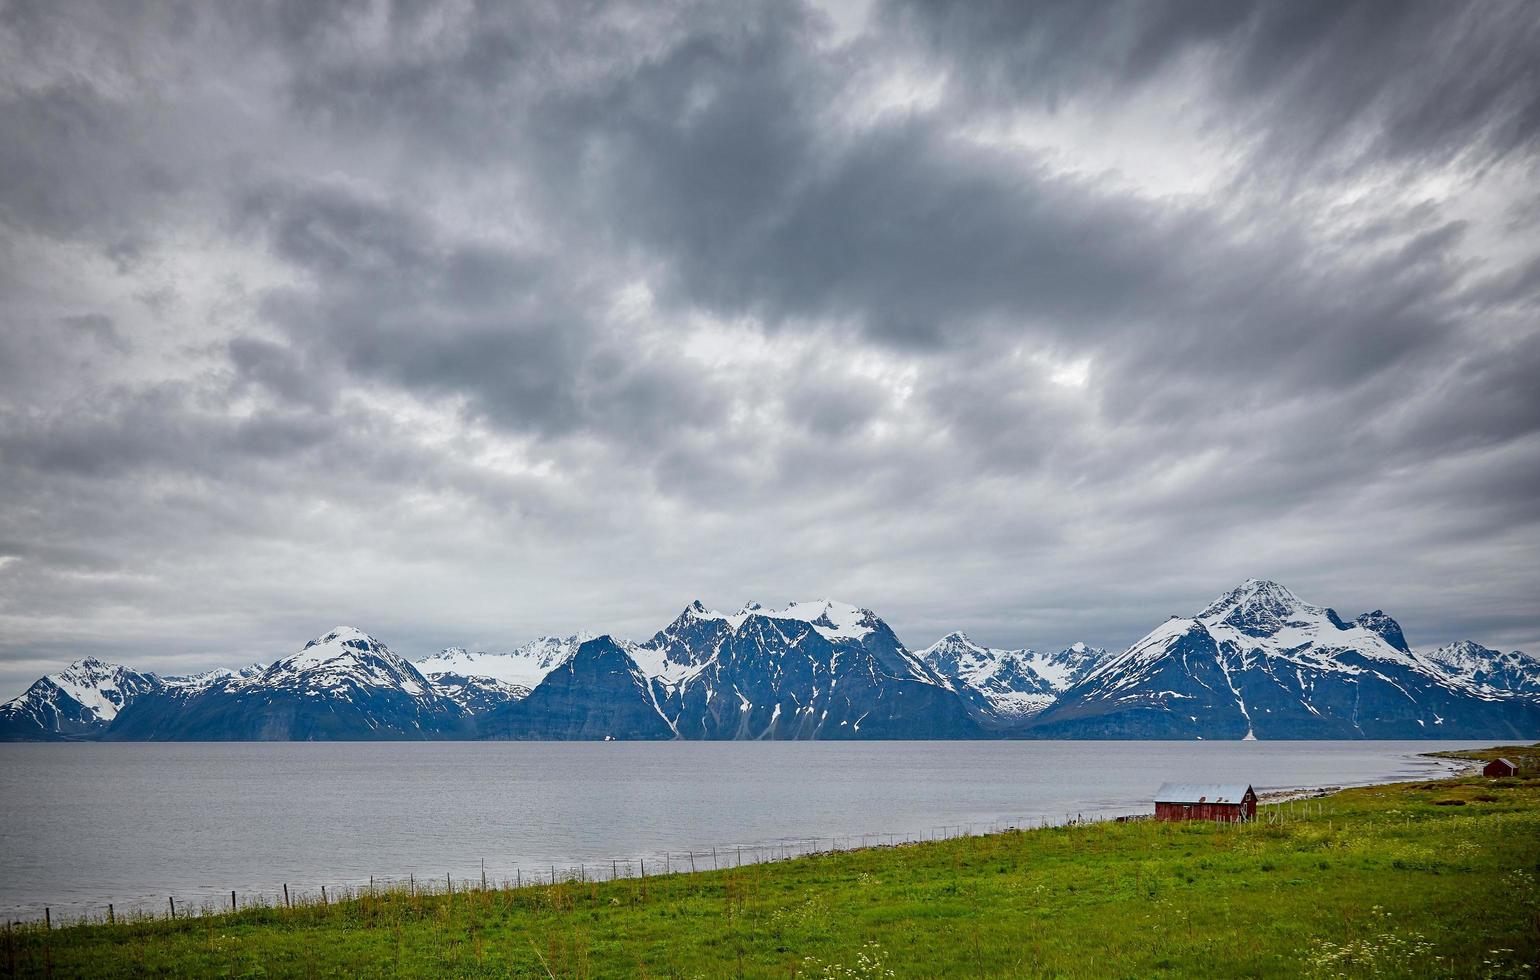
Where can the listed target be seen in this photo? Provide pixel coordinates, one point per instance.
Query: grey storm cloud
(1350, 83)
(1043, 320)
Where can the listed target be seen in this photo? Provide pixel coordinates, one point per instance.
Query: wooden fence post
(286, 901)
(172, 900)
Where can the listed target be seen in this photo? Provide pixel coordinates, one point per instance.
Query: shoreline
(1457, 768)
(673, 863)
(1431, 872)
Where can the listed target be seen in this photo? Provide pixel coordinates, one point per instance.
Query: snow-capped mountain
(1259, 662)
(1006, 687)
(210, 678)
(679, 650)
(821, 669)
(1515, 672)
(1063, 668)
(1256, 662)
(79, 701)
(343, 685)
(524, 666)
(818, 669)
(597, 693)
(477, 695)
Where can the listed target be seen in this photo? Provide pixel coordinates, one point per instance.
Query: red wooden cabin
(1224, 802)
(1500, 767)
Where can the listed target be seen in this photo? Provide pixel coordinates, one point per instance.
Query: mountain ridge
(1259, 662)
(1256, 662)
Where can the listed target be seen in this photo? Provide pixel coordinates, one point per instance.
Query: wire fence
(663, 863)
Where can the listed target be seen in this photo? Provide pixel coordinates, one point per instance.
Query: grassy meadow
(1420, 879)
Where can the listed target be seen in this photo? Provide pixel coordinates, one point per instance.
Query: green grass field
(1428, 880)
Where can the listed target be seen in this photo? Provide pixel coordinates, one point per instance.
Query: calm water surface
(85, 824)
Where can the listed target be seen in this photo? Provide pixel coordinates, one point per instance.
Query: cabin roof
(1202, 792)
(1506, 762)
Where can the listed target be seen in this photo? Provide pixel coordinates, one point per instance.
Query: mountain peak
(694, 612)
(1388, 629)
(1259, 607)
(79, 699)
(346, 655)
(342, 634)
(830, 617)
(1253, 591)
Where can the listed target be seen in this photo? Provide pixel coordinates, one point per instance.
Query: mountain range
(1257, 662)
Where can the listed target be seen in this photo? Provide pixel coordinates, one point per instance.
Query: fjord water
(84, 824)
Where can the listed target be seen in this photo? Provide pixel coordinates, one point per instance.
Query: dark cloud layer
(466, 323)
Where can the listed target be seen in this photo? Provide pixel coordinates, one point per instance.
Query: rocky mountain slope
(597, 693)
(813, 670)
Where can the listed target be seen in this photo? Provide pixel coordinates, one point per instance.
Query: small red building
(1224, 802)
(1500, 767)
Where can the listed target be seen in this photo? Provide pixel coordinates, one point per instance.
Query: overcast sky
(1042, 321)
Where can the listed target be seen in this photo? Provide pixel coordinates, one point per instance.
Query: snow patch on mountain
(655, 664)
(476, 694)
(1064, 667)
(524, 666)
(833, 620)
(212, 678)
(1012, 684)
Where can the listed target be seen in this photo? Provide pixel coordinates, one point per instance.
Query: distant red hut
(1223, 802)
(1500, 767)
